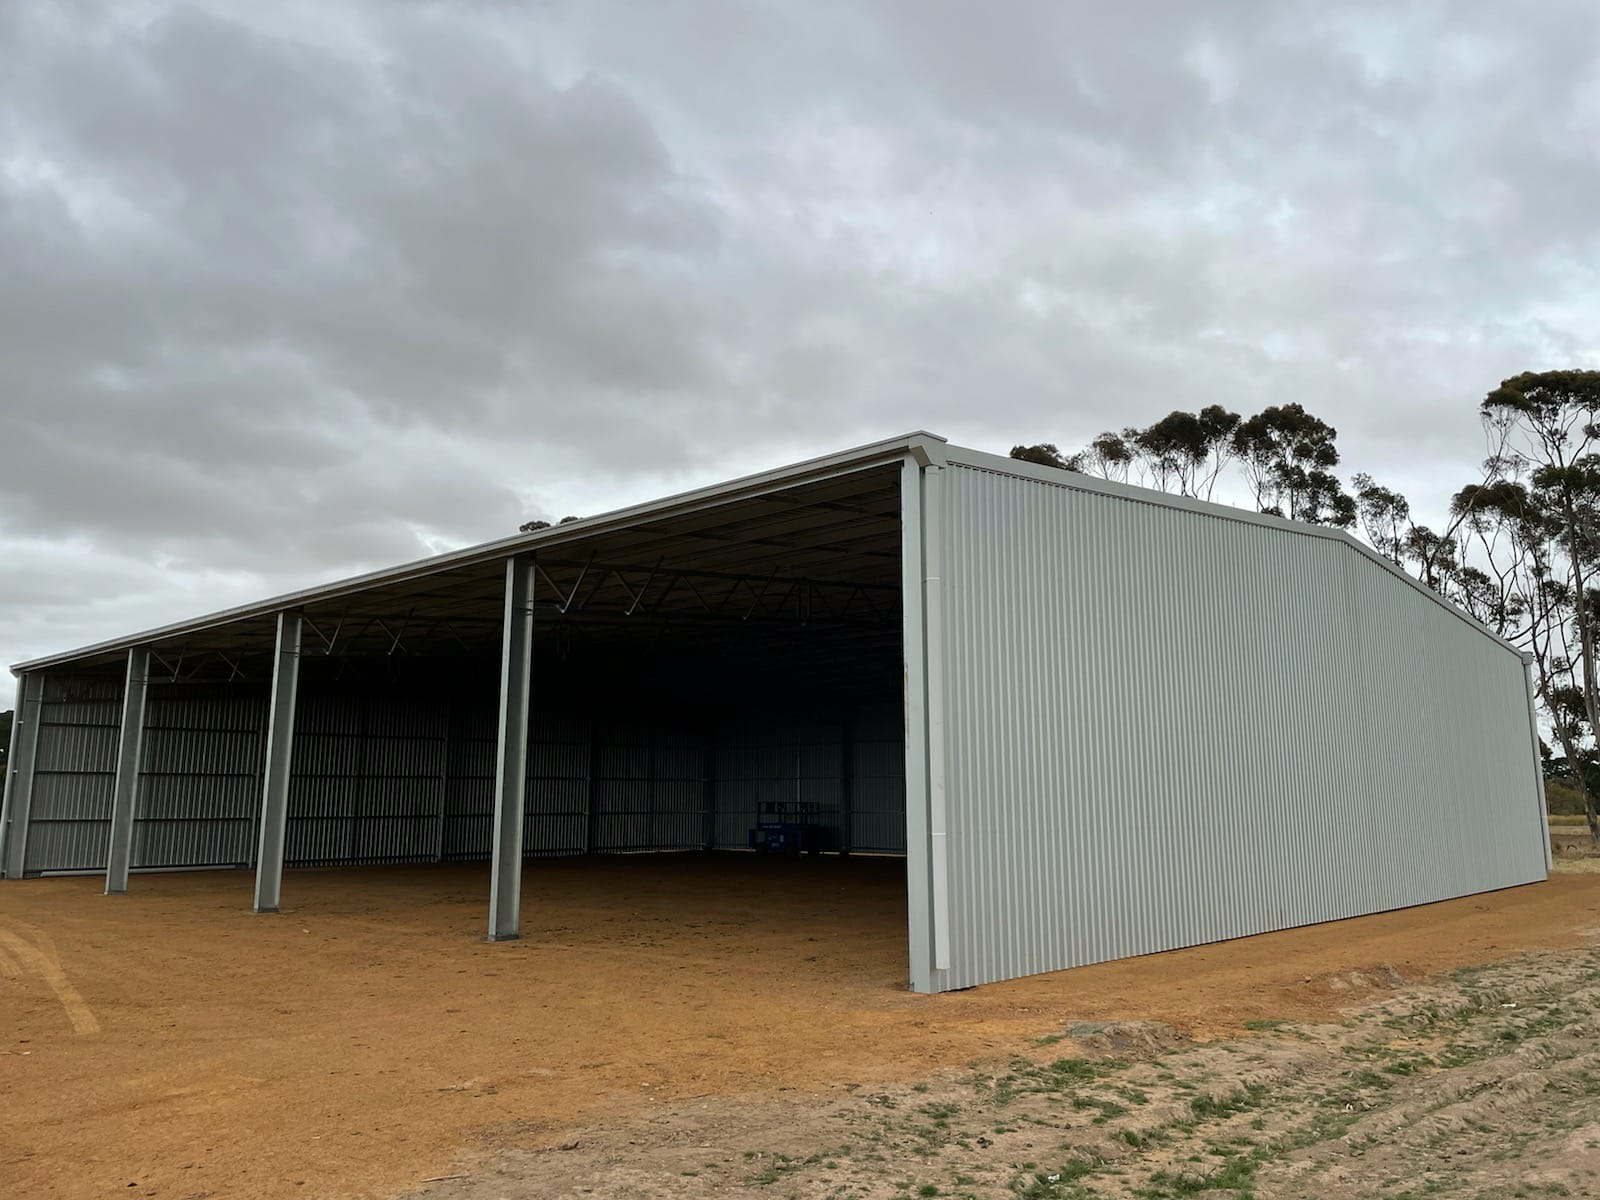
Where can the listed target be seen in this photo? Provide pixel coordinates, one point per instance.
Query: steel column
(511, 777)
(130, 755)
(280, 747)
(919, 892)
(17, 806)
(933, 666)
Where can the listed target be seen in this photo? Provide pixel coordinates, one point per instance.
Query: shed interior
(686, 669)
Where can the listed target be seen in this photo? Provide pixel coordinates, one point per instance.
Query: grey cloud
(292, 291)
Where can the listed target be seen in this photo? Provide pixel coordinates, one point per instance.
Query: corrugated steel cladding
(379, 778)
(1165, 727)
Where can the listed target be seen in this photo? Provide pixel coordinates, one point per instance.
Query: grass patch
(1237, 1175)
(1216, 1108)
(1062, 1182)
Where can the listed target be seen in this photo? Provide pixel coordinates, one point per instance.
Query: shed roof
(823, 533)
(821, 522)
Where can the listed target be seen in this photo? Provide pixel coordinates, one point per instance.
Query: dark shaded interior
(687, 670)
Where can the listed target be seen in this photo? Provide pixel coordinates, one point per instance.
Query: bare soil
(1484, 1084)
(171, 1043)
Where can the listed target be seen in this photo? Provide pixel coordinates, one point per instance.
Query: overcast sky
(288, 292)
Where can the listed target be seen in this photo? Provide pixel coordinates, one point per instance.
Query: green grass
(1237, 1175)
(1218, 1107)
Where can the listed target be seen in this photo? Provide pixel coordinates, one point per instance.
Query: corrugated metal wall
(878, 779)
(1165, 728)
(850, 768)
(74, 771)
(367, 779)
(385, 777)
(200, 789)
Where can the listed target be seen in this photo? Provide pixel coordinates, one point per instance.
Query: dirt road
(366, 1038)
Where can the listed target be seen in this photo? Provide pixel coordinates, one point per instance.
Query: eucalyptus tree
(1387, 522)
(1044, 454)
(1186, 452)
(1288, 456)
(1535, 527)
(1110, 455)
(536, 526)
(1385, 517)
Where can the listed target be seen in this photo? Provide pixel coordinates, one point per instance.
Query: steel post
(280, 748)
(511, 777)
(919, 891)
(17, 806)
(130, 756)
(933, 667)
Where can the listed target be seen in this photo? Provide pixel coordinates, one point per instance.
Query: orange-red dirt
(366, 1036)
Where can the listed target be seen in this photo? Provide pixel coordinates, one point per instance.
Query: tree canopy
(535, 526)
(1287, 457)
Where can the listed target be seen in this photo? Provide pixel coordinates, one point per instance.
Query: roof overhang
(568, 541)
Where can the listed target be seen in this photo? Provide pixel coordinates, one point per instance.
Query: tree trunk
(1580, 776)
(1591, 692)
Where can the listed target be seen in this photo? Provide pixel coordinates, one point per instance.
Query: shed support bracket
(130, 758)
(17, 806)
(511, 759)
(280, 747)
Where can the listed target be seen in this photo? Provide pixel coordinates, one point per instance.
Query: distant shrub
(1562, 799)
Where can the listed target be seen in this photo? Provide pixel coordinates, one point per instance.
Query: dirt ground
(171, 1043)
(1484, 1084)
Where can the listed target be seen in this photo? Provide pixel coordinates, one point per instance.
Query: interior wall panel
(74, 773)
(379, 777)
(200, 787)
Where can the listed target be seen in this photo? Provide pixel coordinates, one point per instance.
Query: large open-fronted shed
(1096, 720)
